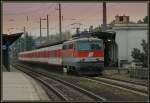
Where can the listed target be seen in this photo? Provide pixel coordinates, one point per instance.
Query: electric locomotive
(81, 55)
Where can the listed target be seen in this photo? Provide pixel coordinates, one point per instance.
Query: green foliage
(56, 37)
(29, 42)
(145, 19)
(112, 22)
(97, 29)
(136, 54)
(139, 56)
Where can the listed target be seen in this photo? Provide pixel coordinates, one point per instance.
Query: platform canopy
(10, 38)
(7, 40)
(105, 35)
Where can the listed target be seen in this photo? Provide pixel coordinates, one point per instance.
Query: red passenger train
(81, 55)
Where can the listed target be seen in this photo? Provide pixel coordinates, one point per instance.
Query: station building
(128, 36)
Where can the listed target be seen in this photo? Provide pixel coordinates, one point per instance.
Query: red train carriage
(82, 55)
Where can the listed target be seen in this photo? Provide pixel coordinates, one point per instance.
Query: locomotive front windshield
(89, 45)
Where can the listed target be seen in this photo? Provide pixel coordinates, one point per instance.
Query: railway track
(64, 90)
(128, 86)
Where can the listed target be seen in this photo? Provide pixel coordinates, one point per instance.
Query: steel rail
(84, 91)
(117, 86)
(124, 82)
(136, 83)
(55, 91)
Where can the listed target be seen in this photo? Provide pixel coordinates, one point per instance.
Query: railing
(138, 72)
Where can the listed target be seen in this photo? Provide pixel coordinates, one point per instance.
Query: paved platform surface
(19, 86)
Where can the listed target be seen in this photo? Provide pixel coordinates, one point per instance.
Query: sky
(15, 15)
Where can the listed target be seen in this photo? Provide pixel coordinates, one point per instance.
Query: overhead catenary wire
(38, 10)
(47, 10)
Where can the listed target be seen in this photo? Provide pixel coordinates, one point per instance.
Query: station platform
(19, 86)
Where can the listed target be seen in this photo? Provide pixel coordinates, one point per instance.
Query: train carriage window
(48, 53)
(45, 53)
(41, 54)
(38, 54)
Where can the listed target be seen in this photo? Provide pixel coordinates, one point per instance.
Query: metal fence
(136, 72)
(139, 72)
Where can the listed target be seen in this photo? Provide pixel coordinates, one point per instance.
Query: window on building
(121, 18)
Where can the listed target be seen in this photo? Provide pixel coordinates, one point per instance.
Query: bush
(139, 56)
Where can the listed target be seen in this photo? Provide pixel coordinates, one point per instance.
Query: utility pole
(40, 31)
(104, 16)
(60, 32)
(47, 28)
(19, 45)
(25, 37)
(26, 30)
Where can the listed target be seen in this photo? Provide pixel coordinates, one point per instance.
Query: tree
(29, 42)
(141, 56)
(91, 28)
(145, 19)
(66, 35)
(97, 29)
(112, 23)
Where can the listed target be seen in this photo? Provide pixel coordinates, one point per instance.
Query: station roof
(10, 38)
(101, 35)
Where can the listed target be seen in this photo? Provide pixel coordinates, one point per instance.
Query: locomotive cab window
(64, 47)
(89, 46)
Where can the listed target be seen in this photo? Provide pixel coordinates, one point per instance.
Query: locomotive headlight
(82, 60)
(97, 59)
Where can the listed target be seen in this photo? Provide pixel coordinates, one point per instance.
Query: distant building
(128, 36)
(121, 19)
